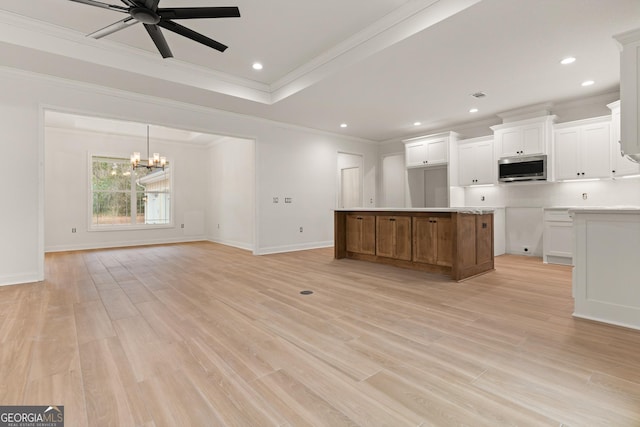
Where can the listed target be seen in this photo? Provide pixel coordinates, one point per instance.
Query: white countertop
(605, 210)
(458, 210)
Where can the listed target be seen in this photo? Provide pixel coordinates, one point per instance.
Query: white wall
(302, 166)
(231, 180)
(393, 180)
(21, 248)
(291, 162)
(67, 190)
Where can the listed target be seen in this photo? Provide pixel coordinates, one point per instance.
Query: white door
(393, 180)
(351, 193)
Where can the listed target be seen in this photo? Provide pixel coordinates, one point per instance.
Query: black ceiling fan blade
(116, 26)
(158, 38)
(198, 12)
(103, 5)
(190, 34)
(151, 4)
(129, 3)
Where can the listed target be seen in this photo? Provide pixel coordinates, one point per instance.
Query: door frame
(340, 167)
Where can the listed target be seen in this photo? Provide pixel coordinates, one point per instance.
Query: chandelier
(155, 162)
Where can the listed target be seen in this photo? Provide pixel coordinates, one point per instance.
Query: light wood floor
(203, 335)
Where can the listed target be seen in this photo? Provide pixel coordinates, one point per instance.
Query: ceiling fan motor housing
(146, 16)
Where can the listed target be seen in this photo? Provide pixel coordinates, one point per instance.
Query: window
(123, 197)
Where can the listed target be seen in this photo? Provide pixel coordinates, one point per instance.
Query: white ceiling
(378, 65)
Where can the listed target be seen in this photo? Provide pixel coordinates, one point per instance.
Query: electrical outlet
(275, 200)
(584, 196)
(73, 230)
(288, 199)
(301, 229)
(482, 198)
(181, 225)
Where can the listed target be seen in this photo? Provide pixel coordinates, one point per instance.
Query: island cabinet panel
(432, 241)
(361, 234)
(453, 242)
(393, 236)
(484, 239)
(474, 243)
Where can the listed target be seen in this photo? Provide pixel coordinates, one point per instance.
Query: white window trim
(131, 227)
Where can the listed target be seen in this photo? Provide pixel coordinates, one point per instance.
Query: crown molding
(38, 35)
(405, 21)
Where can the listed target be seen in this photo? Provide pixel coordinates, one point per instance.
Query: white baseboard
(107, 245)
(293, 248)
(17, 279)
(635, 326)
(232, 243)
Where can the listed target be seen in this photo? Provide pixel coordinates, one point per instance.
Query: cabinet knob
(582, 173)
(613, 171)
(578, 174)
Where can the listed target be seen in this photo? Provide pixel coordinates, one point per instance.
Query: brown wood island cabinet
(456, 241)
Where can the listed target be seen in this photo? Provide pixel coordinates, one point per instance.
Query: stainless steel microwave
(522, 168)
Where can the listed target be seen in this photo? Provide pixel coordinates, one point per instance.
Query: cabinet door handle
(392, 219)
(359, 218)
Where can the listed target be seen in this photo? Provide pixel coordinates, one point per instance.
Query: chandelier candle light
(155, 162)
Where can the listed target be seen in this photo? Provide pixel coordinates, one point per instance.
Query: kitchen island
(606, 283)
(453, 241)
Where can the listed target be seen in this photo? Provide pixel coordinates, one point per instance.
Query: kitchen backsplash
(586, 193)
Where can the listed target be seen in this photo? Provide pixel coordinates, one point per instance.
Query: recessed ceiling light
(588, 83)
(568, 60)
(473, 110)
(417, 123)
(257, 66)
(343, 125)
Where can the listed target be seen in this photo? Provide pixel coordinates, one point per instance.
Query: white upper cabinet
(620, 164)
(630, 91)
(582, 149)
(429, 150)
(476, 162)
(524, 137)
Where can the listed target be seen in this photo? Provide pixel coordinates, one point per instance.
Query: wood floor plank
(55, 351)
(147, 354)
(110, 388)
(64, 389)
(117, 304)
(92, 321)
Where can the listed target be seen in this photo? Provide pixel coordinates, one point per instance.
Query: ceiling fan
(153, 17)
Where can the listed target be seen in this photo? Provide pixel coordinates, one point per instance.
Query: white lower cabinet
(557, 238)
